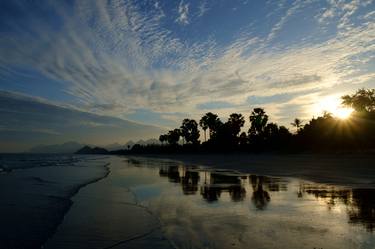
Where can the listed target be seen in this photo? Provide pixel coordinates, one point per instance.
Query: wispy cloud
(202, 8)
(183, 13)
(114, 59)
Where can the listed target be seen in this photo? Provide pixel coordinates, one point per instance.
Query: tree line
(324, 133)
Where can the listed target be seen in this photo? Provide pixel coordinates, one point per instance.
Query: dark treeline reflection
(360, 203)
(211, 185)
(260, 197)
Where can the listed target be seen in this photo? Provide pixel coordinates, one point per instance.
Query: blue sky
(156, 62)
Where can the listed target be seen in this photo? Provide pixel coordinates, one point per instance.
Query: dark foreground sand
(33, 201)
(353, 170)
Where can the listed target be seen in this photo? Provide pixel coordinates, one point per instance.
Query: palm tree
(236, 122)
(258, 120)
(204, 124)
(297, 123)
(189, 131)
(212, 121)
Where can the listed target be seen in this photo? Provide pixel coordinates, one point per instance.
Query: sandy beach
(179, 201)
(36, 196)
(163, 203)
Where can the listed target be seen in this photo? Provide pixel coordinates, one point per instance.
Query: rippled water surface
(158, 204)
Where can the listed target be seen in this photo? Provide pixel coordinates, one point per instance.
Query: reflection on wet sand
(189, 182)
(260, 197)
(359, 203)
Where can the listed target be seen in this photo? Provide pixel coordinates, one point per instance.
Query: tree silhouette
(297, 123)
(203, 122)
(276, 137)
(361, 101)
(324, 133)
(258, 120)
(189, 130)
(225, 136)
(163, 138)
(243, 139)
(235, 122)
(270, 130)
(213, 122)
(173, 136)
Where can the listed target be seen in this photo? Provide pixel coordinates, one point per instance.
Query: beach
(36, 193)
(190, 201)
(162, 203)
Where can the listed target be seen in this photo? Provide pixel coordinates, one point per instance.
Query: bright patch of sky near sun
(332, 104)
(160, 61)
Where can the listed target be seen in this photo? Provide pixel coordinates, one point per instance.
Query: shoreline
(73, 193)
(131, 222)
(347, 170)
(41, 197)
(155, 203)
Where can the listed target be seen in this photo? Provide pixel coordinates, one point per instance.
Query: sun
(332, 104)
(343, 113)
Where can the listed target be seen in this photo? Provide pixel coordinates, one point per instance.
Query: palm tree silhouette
(258, 120)
(189, 131)
(212, 121)
(297, 123)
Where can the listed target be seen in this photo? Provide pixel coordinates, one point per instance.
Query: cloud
(344, 11)
(289, 12)
(114, 58)
(202, 8)
(27, 121)
(159, 9)
(215, 105)
(183, 13)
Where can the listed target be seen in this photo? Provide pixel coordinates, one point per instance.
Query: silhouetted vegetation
(321, 134)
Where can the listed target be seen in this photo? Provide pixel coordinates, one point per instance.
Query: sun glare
(332, 104)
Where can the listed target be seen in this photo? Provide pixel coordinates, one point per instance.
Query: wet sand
(108, 214)
(33, 201)
(352, 170)
(159, 203)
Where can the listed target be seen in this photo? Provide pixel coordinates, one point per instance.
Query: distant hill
(130, 144)
(142, 142)
(114, 146)
(72, 147)
(65, 148)
(34, 121)
(89, 150)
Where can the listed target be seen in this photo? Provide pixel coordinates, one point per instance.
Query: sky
(156, 62)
